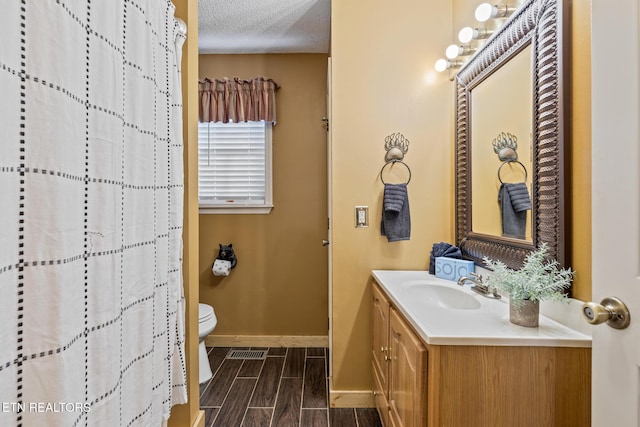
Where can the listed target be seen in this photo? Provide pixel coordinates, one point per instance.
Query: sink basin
(442, 296)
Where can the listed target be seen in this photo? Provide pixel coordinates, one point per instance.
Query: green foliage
(539, 279)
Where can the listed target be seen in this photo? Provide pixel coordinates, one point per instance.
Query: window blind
(232, 163)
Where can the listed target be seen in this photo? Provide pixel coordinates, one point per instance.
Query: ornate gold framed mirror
(532, 36)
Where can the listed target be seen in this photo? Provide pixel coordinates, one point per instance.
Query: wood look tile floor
(288, 388)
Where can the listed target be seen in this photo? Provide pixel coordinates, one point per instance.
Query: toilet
(206, 324)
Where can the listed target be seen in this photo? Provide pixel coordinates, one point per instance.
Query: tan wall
(579, 188)
(279, 286)
(189, 414)
(383, 81)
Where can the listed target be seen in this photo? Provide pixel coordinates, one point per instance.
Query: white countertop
(487, 325)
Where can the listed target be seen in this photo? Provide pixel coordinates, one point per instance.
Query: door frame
(329, 225)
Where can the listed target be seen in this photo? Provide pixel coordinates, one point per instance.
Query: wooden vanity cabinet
(380, 338)
(419, 384)
(380, 353)
(407, 375)
(399, 367)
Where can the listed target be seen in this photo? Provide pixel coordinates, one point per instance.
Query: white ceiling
(264, 26)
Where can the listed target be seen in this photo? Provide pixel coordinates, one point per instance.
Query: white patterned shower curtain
(91, 199)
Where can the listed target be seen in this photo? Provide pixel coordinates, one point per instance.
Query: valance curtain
(237, 100)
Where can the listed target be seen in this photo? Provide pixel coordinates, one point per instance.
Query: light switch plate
(362, 216)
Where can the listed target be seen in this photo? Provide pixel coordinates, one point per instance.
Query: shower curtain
(91, 187)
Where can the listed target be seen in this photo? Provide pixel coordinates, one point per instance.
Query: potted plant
(539, 279)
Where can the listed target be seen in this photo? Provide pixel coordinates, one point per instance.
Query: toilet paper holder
(225, 260)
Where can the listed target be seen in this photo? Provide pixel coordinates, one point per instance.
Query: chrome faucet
(479, 286)
(475, 279)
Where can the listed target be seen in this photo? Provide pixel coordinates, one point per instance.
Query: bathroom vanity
(443, 355)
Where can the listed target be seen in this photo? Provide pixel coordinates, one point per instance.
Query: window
(234, 167)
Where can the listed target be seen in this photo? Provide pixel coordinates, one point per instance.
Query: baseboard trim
(199, 421)
(351, 399)
(266, 341)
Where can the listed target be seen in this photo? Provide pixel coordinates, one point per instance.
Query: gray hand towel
(519, 196)
(396, 219)
(514, 223)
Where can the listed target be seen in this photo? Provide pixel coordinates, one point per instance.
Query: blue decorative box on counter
(452, 268)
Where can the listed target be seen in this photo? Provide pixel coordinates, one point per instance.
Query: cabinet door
(380, 338)
(379, 397)
(408, 375)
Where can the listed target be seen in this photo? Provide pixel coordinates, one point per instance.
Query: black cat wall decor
(226, 253)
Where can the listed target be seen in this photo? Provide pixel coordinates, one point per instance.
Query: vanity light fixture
(467, 34)
(443, 64)
(486, 11)
(454, 51)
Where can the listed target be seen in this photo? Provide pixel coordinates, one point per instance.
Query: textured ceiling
(264, 26)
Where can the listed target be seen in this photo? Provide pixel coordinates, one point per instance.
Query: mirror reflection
(501, 116)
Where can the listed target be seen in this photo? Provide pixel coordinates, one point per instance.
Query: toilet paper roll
(221, 267)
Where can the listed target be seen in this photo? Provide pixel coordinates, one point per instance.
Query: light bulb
(485, 11)
(467, 34)
(444, 64)
(441, 65)
(453, 51)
